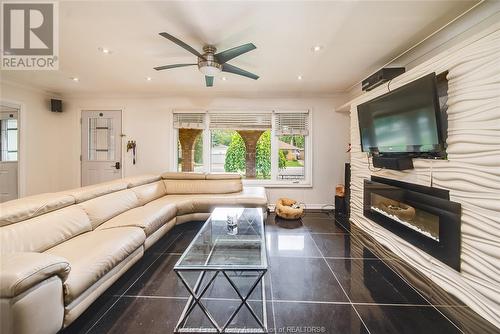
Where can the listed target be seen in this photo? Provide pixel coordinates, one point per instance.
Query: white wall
(52, 143)
(471, 173)
(148, 121)
(47, 141)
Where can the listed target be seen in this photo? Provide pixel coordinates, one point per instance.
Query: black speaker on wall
(55, 105)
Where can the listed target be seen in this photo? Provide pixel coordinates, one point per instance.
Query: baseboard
(272, 207)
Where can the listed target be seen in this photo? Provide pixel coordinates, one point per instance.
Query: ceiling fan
(211, 63)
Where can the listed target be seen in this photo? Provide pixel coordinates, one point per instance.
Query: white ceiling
(358, 37)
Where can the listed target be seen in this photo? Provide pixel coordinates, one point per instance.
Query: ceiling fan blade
(227, 55)
(209, 81)
(239, 71)
(166, 67)
(181, 44)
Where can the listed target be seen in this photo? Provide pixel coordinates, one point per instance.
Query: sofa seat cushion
(183, 203)
(92, 255)
(253, 197)
(149, 217)
(203, 203)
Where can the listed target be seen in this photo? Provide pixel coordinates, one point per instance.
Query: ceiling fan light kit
(211, 63)
(208, 64)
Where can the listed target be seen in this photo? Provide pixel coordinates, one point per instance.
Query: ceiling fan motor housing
(208, 65)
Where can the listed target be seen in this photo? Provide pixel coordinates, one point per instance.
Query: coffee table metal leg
(195, 299)
(244, 300)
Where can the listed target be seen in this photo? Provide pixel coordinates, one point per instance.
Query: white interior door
(101, 146)
(9, 152)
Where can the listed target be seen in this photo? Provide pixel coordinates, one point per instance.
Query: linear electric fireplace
(423, 216)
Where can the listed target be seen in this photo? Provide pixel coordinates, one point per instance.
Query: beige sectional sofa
(60, 251)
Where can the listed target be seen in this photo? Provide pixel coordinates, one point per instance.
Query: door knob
(116, 165)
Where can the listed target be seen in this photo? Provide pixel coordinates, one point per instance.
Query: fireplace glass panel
(419, 220)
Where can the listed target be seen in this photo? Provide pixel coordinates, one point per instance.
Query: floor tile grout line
(338, 281)
(330, 233)
(270, 282)
(118, 299)
(272, 298)
(292, 301)
(420, 294)
(330, 257)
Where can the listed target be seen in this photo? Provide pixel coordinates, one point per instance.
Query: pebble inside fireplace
(423, 216)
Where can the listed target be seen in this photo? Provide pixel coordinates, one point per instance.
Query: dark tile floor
(317, 282)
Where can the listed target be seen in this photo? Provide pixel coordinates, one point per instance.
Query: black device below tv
(403, 124)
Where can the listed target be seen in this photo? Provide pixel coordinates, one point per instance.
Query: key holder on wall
(131, 145)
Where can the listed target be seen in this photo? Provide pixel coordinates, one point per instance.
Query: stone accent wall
(187, 138)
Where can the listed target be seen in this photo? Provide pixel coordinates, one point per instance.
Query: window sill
(277, 184)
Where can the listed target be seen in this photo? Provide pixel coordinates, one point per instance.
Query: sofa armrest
(21, 271)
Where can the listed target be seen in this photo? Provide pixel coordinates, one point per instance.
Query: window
(189, 151)
(264, 147)
(292, 130)
(8, 137)
(291, 157)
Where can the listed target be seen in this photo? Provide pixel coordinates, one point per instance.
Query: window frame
(273, 181)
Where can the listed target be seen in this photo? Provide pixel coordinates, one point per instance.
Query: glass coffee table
(220, 251)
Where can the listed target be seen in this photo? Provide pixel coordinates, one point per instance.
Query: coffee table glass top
(217, 247)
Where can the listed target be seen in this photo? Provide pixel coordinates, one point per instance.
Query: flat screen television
(405, 121)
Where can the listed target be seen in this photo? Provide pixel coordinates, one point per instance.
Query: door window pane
(291, 157)
(101, 139)
(8, 140)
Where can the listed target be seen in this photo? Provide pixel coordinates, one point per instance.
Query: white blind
(293, 123)
(240, 121)
(189, 120)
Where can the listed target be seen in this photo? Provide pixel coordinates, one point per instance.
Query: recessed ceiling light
(224, 78)
(317, 48)
(299, 77)
(148, 78)
(106, 51)
(75, 79)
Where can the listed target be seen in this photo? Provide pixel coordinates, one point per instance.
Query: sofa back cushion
(222, 176)
(183, 176)
(149, 192)
(105, 207)
(188, 187)
(32, 206)
(139, 180)
(45, 231)
(89, 192)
